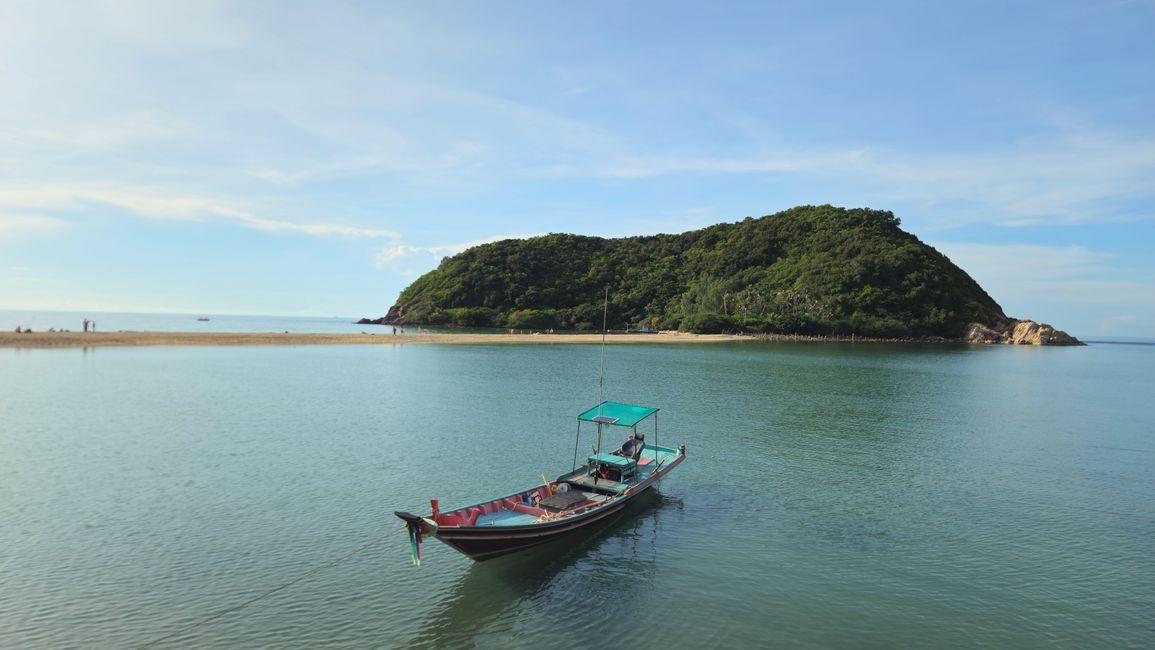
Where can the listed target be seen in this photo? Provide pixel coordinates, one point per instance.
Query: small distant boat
(203, 318)
(587, 494)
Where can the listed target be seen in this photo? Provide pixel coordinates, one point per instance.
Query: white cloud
(120, 24)
(292, 104)
(779, 163)
(393, 253)
(1078, 173)
(158, 205)
(321, 229)
(1033, 261)
(12, 225)
(1113, 324)
(400, 251)
(1072, 176)
(100, 133)
(1071, 287)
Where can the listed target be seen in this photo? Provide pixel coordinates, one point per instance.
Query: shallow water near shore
(42, 321)
(834, 495)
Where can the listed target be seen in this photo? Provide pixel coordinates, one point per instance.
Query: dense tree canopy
(807, 270)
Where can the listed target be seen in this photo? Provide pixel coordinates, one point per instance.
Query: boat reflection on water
(485, 608)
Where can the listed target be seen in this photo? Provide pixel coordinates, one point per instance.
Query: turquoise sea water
(834, 495)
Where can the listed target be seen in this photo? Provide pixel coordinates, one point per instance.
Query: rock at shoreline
(1019, 332)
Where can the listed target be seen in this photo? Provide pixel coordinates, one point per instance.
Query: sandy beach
(123, 339)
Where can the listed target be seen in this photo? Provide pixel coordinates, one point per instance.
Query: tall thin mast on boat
(602, 373)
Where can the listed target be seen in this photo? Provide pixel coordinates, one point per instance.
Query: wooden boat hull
(487, 542)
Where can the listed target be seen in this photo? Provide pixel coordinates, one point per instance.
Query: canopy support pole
(597, 451)
(576, 442)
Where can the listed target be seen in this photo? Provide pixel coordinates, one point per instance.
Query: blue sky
(315, 158)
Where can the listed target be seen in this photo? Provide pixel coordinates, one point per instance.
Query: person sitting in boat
(633, 446)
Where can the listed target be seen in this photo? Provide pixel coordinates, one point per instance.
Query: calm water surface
(834, 496)
(41, 321)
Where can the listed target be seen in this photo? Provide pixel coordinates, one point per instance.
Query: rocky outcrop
(979, 333)
(396, 316)
(1019, 332)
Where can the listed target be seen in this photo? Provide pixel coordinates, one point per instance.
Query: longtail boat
(585, 495)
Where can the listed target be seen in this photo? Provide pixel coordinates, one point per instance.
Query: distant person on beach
(394, 331)
(86, 325)
(93, 324)
(17, 329)
(402, 330)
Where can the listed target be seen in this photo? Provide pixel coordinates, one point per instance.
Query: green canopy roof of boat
(622, 415)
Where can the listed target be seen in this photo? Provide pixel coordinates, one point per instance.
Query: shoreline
(49, 340)
(139, 339)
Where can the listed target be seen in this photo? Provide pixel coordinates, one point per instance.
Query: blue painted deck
(610, 459)
(505, 518)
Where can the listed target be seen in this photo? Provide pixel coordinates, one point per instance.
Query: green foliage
(533, 319)
(470, 316)
(709, 322)
(810, 269)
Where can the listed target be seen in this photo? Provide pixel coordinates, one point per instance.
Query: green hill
(807, 270)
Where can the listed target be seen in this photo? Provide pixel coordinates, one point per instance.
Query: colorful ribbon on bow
(414, 528)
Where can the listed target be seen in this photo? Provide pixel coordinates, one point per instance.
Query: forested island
(813, 270)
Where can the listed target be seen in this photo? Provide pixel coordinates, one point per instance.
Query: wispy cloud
(158, 205)
(1077, 174)
(1112, 324)
(12, 225)
(320, 229)
(358, 120)
(779, 163)
(1029, 261)
(100, 133)
(1069, 177)
(1053, 283)
(401, 251)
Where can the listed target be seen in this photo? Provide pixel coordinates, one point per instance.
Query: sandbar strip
(130, 339)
